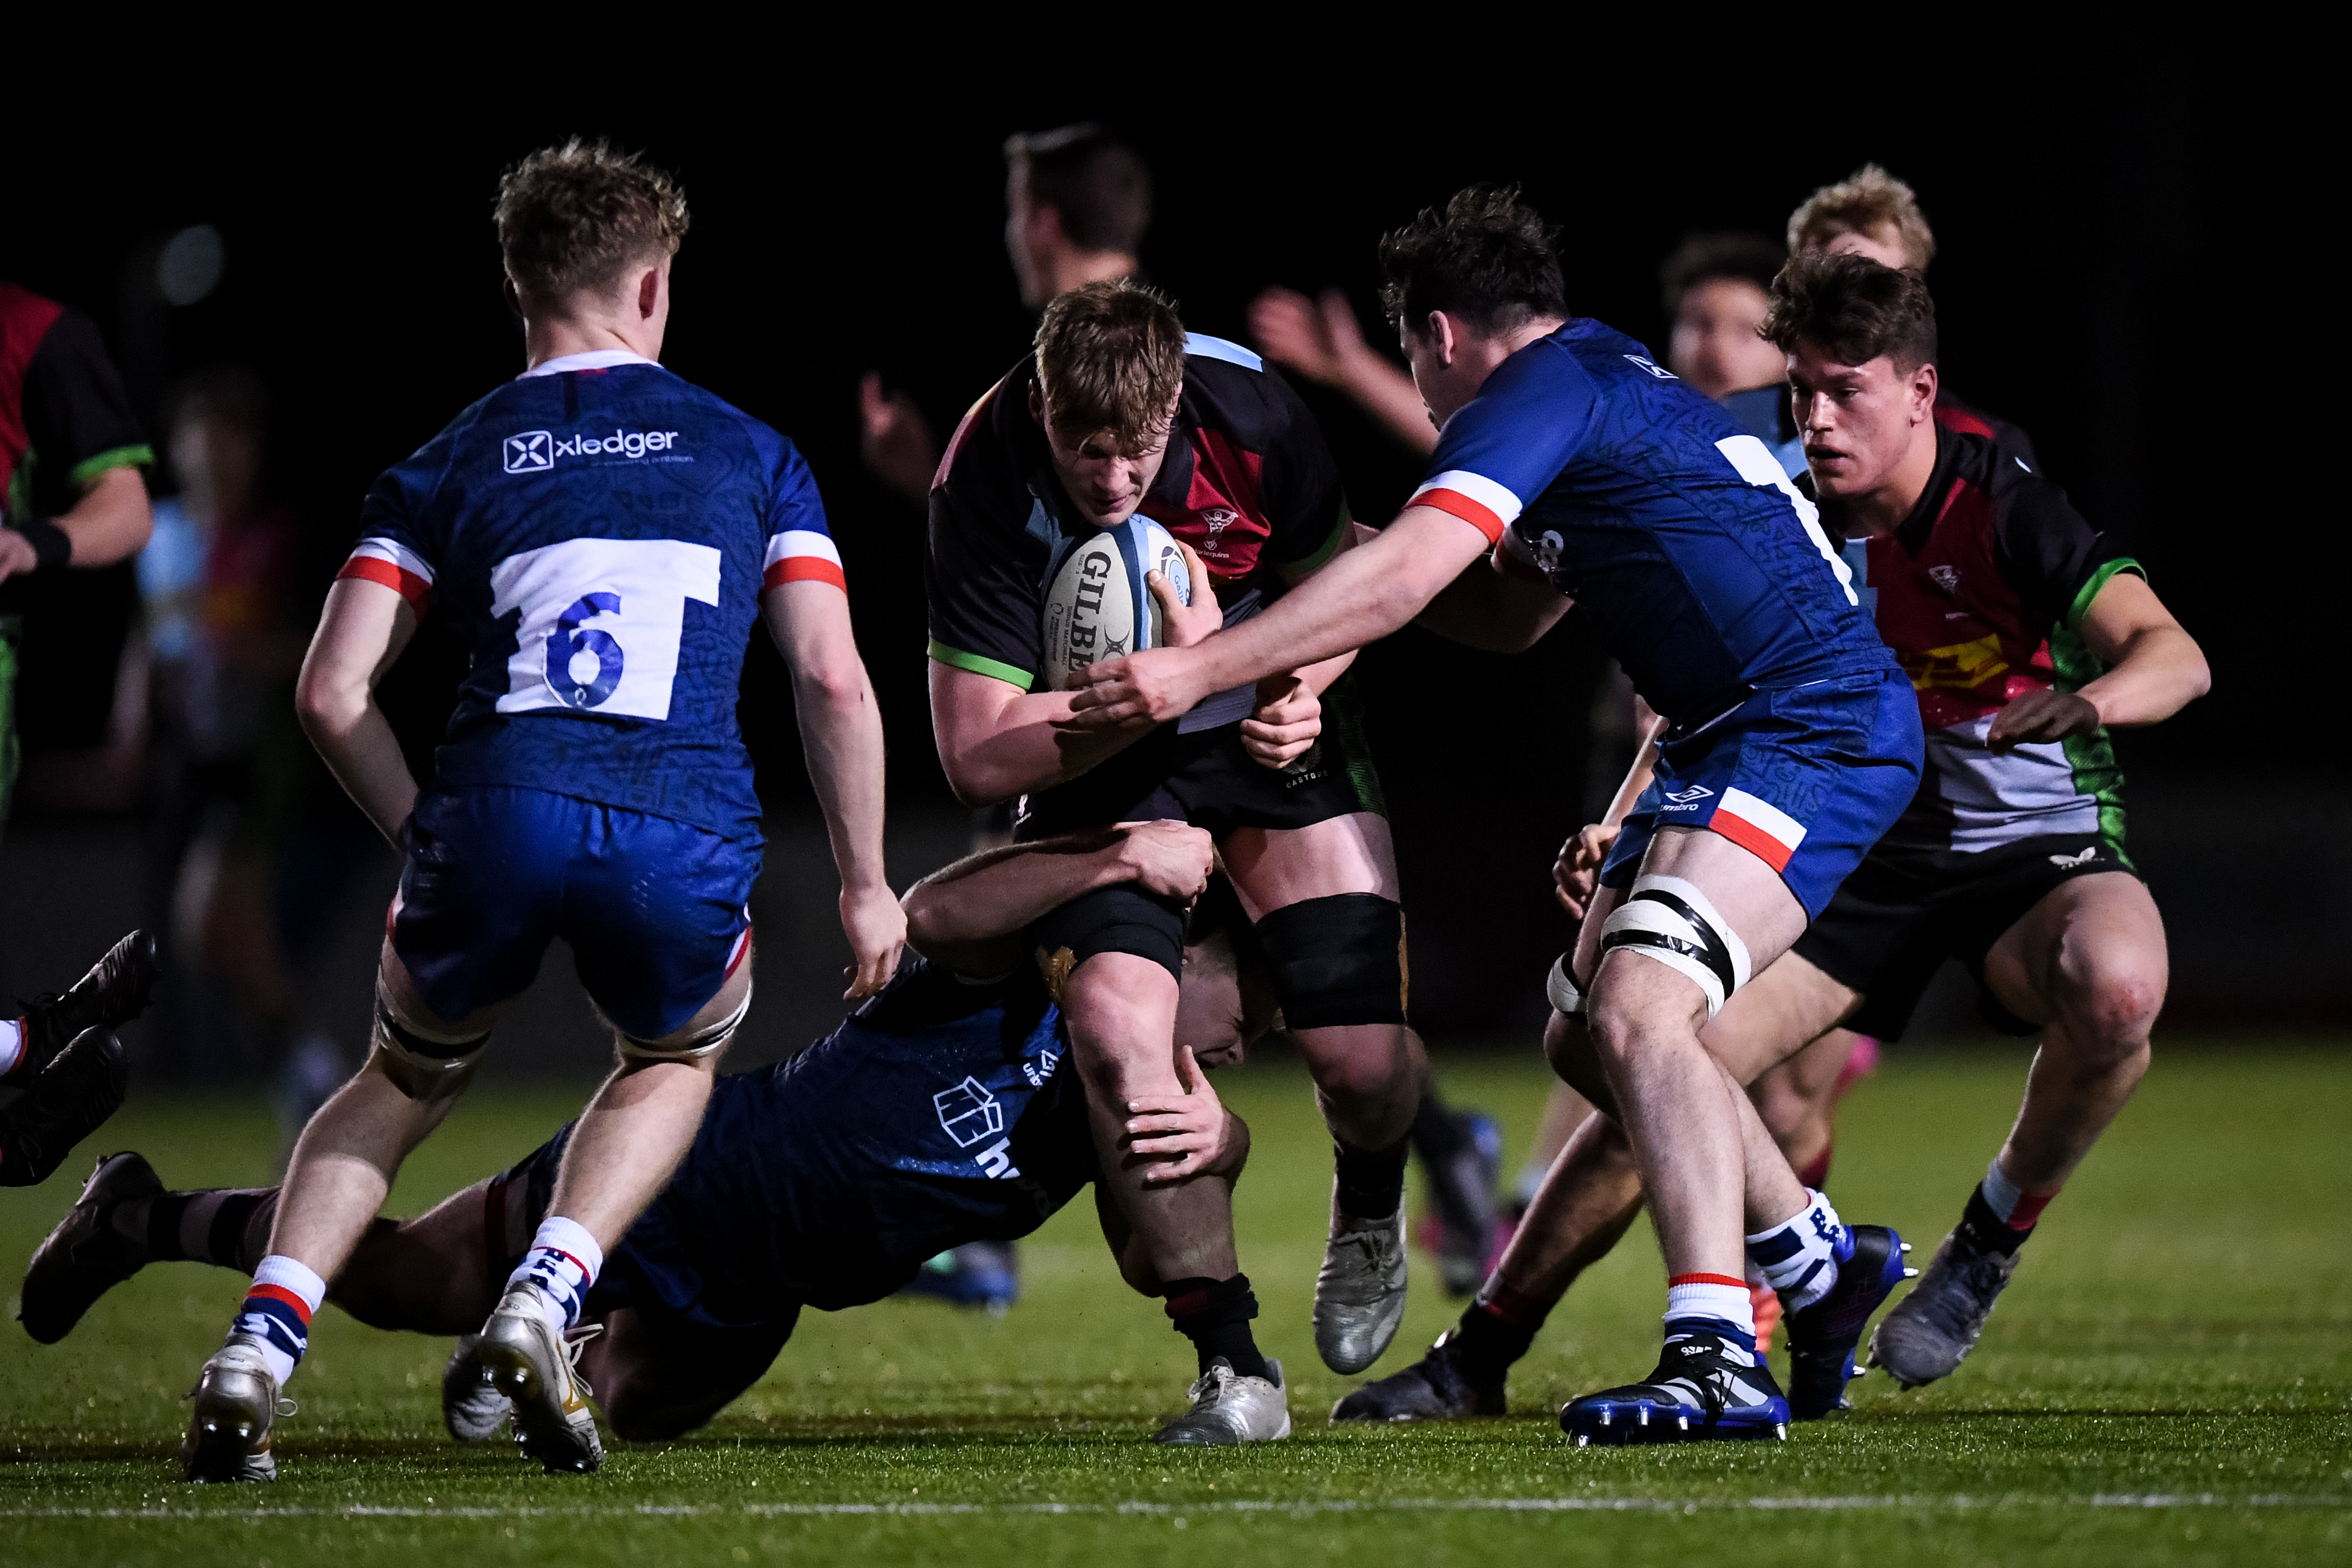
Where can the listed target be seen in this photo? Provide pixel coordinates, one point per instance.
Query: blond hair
(1869, 201)
(1110, 357)
(575, 218)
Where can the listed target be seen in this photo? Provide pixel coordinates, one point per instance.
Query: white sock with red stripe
(1718, 1303)
(563, 1261)
(276, 1311)
(12, 1045)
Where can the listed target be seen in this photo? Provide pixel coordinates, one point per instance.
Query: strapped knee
(1337, 960)
(1567, 997)
(435, 1055)
(702, 1043)
(1670, 920)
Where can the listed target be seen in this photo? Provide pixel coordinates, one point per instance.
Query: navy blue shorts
(1808, 779)
(656, 912)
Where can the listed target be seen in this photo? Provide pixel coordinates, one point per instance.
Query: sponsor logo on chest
(536, 451)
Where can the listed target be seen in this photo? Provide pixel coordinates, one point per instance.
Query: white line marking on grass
(1299, 1506)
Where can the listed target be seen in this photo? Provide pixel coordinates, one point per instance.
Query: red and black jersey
(1981, 592)
(1248, 484)
(63, 418)
(1965, 419)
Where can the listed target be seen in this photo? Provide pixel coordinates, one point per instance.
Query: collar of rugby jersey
(593, 360)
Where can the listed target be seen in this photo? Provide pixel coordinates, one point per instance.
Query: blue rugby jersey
(1706, 573)
(600, 532)
(942, 1111)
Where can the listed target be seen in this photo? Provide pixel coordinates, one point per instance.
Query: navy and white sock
(276, 1311)
(563, 1261)
(1800, 1259)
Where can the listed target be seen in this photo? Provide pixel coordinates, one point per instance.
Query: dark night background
(2103, 279)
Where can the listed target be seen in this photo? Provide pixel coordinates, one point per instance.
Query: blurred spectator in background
(259, 841)
(1321, 340)
(1873, 213)
(1716, 288)
(1078, 202)
(72, 497)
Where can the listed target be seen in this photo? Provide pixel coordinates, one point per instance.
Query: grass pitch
(2168, 1380)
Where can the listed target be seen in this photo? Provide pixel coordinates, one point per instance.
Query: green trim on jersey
(2098, 579)
(2092, 757)
(1298, 571)
(978, 664)
(90, 468)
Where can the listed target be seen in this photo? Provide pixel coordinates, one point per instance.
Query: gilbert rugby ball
(1098, 605)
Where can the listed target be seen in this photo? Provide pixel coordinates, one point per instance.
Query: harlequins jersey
(600, 532)
(1981, 592)
(64, 420)
(1248, 483)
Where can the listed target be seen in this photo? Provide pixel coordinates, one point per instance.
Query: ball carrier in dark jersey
(2024, 632)
(1117, 412)
(1795, 743)
(942, 1112)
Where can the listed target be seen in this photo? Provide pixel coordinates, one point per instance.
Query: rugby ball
(1098, 605)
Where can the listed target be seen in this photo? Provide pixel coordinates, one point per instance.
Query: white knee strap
(707, 1042)
(1671, 921)
(1561, 988)
(435, 1053)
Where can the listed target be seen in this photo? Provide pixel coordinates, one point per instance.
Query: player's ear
(1924, 381)
(649, 293)
(1440, 336)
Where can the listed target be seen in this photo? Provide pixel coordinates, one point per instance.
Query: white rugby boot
(532, 1365)
(228, 1428)
(1230, 1408)
(1360, 1294)
(471, 1407)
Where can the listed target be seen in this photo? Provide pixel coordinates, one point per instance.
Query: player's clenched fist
(1170, 859)
(1578, 871)
(1285, 722)
(1183, 1135)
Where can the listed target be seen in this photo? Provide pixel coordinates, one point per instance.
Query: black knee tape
(1337, 960)
(1121, 919)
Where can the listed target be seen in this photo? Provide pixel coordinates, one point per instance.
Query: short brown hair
(1100, 184)
(1489, 258)
(1854, 308)
(575, 218)
(1867, 200)
(1111, 356)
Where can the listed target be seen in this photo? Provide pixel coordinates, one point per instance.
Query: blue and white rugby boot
(1708, 1387)
(977, 1274)
(1822, 1336)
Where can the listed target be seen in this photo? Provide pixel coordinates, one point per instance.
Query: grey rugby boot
(1931, 1331)
(1360, 1294)
(473, 1409)
(85, 1256)
(1230, 1408)
(532, 1365)
(228, 1428)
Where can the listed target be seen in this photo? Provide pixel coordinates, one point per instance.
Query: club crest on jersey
(531, 452)
(1217, 520)
(1947, 578)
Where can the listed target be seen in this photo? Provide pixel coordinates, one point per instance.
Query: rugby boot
(976, 1274)
(1821, 1337)
(1230, 1408)
(1467, 1236)
(532, 1365)
(1359, 1293)
(228, 1428)
(114, 992)
(85, 1256)
(1706, 1387)
(1437, 1388)
(472, 1407)
(68, 1101)
(1931, 1331)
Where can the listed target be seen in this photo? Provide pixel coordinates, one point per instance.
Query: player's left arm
(2154, 669)
(970, 915)
(361, 631)
(78, 419)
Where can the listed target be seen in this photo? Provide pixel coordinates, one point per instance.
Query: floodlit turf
(2169, 1380)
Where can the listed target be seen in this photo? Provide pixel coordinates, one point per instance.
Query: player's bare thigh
(1272, 868)
(2093, 943)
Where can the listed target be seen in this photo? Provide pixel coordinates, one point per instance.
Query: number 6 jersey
(599, 532)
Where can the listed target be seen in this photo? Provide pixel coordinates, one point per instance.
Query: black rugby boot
(114, 992)
(63, 1105)
(1437, 1388)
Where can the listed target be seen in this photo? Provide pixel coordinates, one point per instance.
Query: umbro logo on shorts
(2086, 858)
(530, 451)
(1685, 797)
